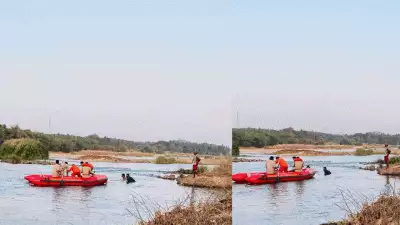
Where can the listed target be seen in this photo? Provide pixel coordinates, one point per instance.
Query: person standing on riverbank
(386, 158)
(195, 162)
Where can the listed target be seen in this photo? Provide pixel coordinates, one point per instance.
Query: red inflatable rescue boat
(49, 181)
(260, 178)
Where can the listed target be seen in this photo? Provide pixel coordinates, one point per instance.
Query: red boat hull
(259, 177)
(49, 181)
(241, 177)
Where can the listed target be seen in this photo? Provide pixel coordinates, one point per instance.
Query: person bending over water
(326, 171)
(129, 179)
(76, 172)
(283, 166)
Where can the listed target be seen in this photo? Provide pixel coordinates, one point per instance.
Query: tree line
(253, 137)
(71, 143)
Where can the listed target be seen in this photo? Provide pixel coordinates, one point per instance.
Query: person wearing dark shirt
(129, 179)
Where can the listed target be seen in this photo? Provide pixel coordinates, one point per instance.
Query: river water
(114, 203)
(312, 201)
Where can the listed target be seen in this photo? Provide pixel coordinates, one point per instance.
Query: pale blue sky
(331, 66)
(139, 70)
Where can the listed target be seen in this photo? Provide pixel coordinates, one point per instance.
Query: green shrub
(394, 160)
(202, 169)
(24, 149)
(364, 152)
(165, 160)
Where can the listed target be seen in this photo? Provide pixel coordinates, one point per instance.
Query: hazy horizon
(325, 66)
(139, 71)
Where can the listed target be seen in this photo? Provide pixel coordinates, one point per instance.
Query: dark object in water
(308, 166)
(129, 179)
(326, 171)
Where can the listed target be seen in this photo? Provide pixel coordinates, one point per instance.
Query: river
(114, 203)
(312, 201)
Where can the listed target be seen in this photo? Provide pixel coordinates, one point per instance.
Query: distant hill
(253, 137)
(71, 143)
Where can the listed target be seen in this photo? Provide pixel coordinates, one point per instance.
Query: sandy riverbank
(313, 150)
(120, 157)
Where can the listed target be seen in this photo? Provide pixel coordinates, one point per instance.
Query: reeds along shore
(211, 212)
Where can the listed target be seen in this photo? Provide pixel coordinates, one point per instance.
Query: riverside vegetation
(21, 144)
(262, 138)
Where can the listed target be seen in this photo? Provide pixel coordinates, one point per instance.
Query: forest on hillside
(71, 143)
(253, 137)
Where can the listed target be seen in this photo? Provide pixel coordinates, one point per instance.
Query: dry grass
(218, 177)
(304, 152)
(308, 147)
(107, 158)
(383, 211)
(102, 152)
(392, 170)
(215, 210)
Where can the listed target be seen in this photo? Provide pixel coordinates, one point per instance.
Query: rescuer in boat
(65, 168)
(87, 164)
(86, 171)
(129, 179)
(283, 166)
(57, 169)
(271, 165)
(298, 164)
(386, 158)
(76, 172)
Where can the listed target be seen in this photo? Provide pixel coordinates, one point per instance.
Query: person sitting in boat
(123, 177)
(76, 172)
(283, 166)
(86, 171)
(129, 179)
(271, 165)
(57, 169)
(65, 168)
(86, 164)
(298, 164)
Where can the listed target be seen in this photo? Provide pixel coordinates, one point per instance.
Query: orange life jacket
(281, 162)
(74, 169)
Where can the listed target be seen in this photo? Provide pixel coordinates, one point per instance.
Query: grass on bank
(392, 160)
(165, 160)
(215, 210)
(219, 177)
(364, 152)
(384, 210)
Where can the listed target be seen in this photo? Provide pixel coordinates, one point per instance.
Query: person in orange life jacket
(76, 172)
(87, 164)
(283, 166)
